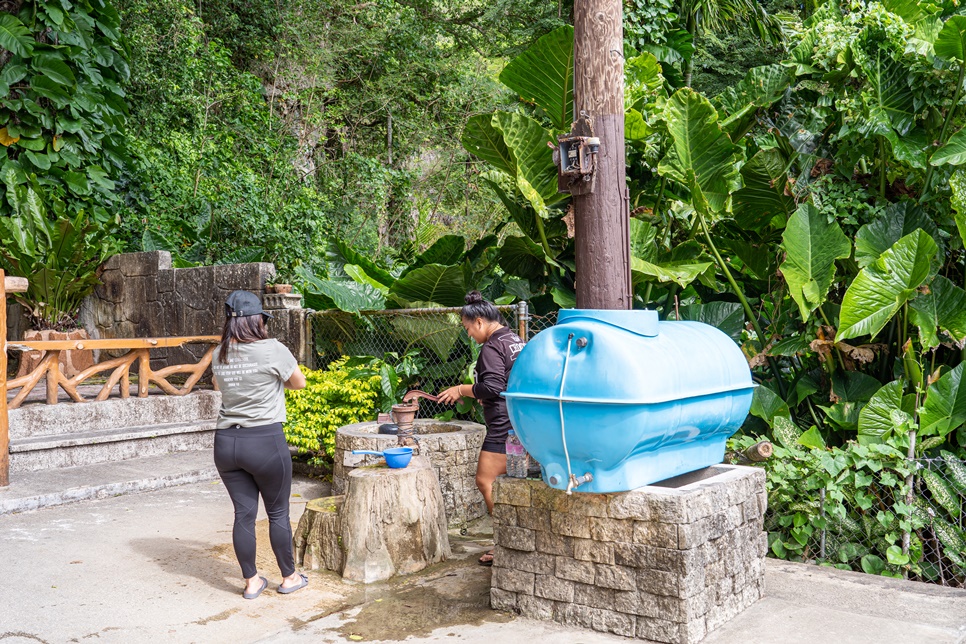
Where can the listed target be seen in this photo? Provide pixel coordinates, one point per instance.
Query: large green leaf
(812, 245)
(727, 317)
(761, 87)
(894, 223)
(701, 156)
(945, 407)
(642, 82)
(912, 11)
(642, 240)
(953, 152)
(942, 308)
(484, 139)
(358, 274)
(439, 333)
(883, 415)
(53, 68)
(764, 197)
(881, 288)
(544, 75)
(758, 257)
(340, 253)
(957, 184)
(923, 39)
(681, 273)
(766, 404)
(14, 36)
(951, 42)
(352, 297)
(432, 283)
(516, 144)
(536, 174)
(522, 214)
(521, 257)
(854, 386)
(891, 95)
(446, 250)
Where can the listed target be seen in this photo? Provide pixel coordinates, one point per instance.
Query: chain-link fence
(906, 521)
(434, 338)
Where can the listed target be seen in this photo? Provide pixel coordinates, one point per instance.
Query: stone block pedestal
(669, 562)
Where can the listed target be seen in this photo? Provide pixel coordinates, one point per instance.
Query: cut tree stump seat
(391, 522)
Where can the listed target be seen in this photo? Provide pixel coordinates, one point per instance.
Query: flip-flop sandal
(292, 589)
(258, 592)
(483, 561)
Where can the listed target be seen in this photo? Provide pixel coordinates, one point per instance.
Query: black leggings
(253, 460)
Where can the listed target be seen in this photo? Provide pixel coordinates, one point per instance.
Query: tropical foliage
(62, 75)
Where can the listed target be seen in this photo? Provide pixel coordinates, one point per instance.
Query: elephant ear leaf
(945, 408)
(953, 152)
(883, 415)
(951, 42)
(482, 138)
(942, 308)
(957, 183)
(517, 145)
(536, 173)
(544, 76)
(761, 87)
(895, 222)
(881, 288)
(443, 285)
(812, 245)
(701, 155)
(765, 197)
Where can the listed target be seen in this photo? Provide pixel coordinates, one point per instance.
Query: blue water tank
(627, 398)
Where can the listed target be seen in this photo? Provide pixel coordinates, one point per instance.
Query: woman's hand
(451, 395)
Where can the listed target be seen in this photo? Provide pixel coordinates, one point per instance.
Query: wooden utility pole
(602, 217)
(7, 285)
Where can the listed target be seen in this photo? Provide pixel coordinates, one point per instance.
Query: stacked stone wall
(657, 563)
(142, 295)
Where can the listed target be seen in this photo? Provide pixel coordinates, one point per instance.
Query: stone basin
(453, 449)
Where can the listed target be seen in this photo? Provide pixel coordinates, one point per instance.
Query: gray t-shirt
(252, 383)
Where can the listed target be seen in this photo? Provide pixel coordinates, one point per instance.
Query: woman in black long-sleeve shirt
(501, 346)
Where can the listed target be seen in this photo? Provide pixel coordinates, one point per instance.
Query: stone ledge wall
(141, 295)
(657, 563)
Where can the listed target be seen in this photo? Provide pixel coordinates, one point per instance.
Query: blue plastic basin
(641, 401)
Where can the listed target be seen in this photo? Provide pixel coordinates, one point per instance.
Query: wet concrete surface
(159, 567)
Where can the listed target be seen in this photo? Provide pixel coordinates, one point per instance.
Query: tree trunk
(392, 522)
(602, 217)
(318, 538)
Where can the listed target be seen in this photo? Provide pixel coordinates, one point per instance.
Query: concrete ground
(158, 567)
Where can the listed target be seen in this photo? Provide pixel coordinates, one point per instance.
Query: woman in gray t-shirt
(252, 371)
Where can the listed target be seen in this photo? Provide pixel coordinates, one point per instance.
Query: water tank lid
(638, 322)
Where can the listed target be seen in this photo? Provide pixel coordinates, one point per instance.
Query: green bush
(331, 399)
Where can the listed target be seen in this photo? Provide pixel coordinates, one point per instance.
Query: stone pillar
(669, 562)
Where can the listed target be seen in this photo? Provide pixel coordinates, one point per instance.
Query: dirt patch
(220, 617)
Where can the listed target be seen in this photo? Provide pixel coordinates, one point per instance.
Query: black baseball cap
(241, 304)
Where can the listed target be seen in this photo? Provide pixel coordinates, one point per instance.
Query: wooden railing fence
(138, 352)
(48, 369)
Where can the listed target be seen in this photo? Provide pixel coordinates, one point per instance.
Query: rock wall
(141, 295)
(657, 563)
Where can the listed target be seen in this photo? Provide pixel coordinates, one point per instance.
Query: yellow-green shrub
(331, 399)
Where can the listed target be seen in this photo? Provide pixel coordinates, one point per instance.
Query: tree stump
(318, 538)
(393, 521)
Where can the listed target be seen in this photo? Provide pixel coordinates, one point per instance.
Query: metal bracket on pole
(576, 159)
